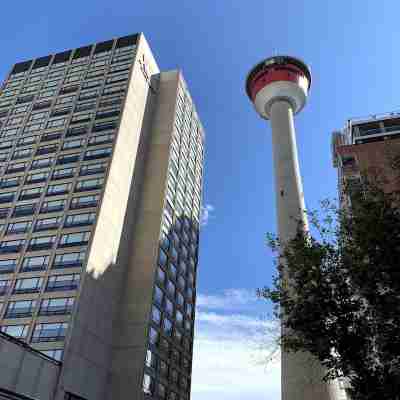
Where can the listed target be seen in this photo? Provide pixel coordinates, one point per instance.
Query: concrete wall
(26, 371)
(87, 361)
(142, 243)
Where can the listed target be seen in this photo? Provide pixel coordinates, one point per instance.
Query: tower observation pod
(278, 87)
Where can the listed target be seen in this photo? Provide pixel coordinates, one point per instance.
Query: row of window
(73, 74)
(76, 203)
(60, 160)
(62, 105)
(61, 173)
(43, 224)
(34, 285)
(41, 263)
(47, 307)
(77, 63)
(116, 73)
(53, 190)
(110, 88)
(43, 332)
(45, 242)
(98, 129)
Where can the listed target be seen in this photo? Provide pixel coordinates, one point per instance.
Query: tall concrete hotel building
(101, 159)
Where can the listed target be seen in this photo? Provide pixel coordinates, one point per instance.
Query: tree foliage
(337, 291)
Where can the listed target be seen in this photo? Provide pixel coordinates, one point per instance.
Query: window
(110, 90)
(9, 132)
(17, 167)
(3, 156)
(82, 117)
(22, 153)
(4, 212)
(84, 202)
(5, 285)
(42, 105)
(85, 106)
(39, 263)
(92, 83)
(41, 163)
(55, 190)
(47, 224)
(76, 131)
(50, 148)
(158, 295)
(101, 139)
(153, 336)
(104, 126)
(92, 169)
(68, 158)
(156, 315)
(47, 137)
(73, 144)
(88, 94)
(6, 144)
(110, 113)
(69, 260)
(28, 285)
(33, 127)
(50, 332)
(17, 331)
(63, 282)
(38, 116)
(63, 173)
(18, 227)
(41, 243)
(7, 266)
(79, 220)
(59, 306)
(32, 193)
(23, 210)
(9, 182)
(75, 239)
(57, 354)
(12, 246)
(89, 184)
(150, 359)
(98, 153)
(65, 99)
(148, 384)
(167, 327)
(37, 178)
(68, 89)
(20, 309)
(52, 206)
(54, 123)
(162, 258)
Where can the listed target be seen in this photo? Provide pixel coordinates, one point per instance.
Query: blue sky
(352, 48)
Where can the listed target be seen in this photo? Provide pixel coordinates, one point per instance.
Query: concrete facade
(147, 186)
(26, 371)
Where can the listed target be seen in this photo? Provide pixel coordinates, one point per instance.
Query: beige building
(101, 158)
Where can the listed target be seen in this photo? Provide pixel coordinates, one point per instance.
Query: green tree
(337, 291)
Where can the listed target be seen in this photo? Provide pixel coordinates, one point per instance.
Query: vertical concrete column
(302, 374)
(288, 186)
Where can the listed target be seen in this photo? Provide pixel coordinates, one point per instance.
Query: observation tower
(278, 87)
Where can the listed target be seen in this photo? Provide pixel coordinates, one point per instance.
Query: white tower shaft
(301, 374)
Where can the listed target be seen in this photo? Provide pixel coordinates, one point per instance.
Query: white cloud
(229, 299)
(231, 349)
(206, 214)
